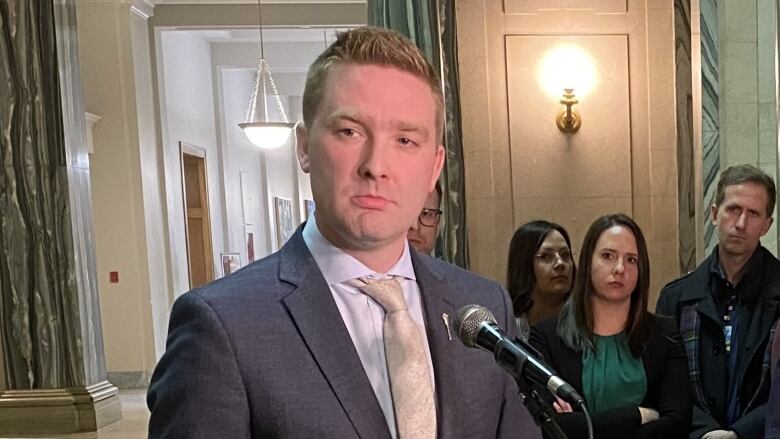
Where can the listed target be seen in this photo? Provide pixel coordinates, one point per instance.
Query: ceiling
(206, 2)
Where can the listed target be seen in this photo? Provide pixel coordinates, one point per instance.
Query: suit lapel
(449, 392)
(312, 308)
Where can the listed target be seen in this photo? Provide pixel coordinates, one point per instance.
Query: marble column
(52, 346)
(686, 168)
(710, 113)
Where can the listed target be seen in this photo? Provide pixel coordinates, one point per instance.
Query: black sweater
(668, 386)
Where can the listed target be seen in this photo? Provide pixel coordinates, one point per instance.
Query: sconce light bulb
(567, 66)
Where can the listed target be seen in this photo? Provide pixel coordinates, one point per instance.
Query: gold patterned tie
(407, 363)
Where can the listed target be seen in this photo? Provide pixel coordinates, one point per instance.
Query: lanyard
(728, 321)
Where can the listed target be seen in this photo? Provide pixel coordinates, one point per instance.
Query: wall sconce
(568, 120)
(568, 68)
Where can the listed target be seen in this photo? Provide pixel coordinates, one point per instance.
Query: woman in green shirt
(628, 364)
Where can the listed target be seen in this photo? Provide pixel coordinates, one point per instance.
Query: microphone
(477, 327)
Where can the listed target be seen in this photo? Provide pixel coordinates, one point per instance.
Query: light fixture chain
(253, 100)
(267, 73)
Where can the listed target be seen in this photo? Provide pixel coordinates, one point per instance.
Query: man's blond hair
(365, 46)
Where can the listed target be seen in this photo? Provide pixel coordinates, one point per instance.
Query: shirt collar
(337, 266)
(715, 268)
(750, 284)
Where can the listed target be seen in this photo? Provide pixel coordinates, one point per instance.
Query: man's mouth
(370, 201)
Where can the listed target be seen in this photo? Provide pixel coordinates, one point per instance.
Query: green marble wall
(49, 314)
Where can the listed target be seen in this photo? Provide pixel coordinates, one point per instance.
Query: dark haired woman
(628, 364)
(540, 272)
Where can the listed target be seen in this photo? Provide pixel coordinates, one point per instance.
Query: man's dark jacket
(264, 353)
(756, 317)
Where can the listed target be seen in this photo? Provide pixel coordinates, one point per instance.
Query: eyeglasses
(549, 256)
(430, 217)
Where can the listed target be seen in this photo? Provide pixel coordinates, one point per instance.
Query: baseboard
(130, 380)
(52, 411)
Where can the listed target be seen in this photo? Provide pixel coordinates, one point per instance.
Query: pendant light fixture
(258, 128)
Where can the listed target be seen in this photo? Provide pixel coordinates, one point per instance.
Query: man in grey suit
(292, 346)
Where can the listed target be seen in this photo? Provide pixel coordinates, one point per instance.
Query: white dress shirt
(363, 316)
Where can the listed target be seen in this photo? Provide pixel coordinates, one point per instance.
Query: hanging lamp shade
(258, 128)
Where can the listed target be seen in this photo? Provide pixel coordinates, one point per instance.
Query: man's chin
(375, 238)
(739, 249)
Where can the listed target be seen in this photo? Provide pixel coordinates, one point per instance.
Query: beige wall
(122, 234)
(748, 116)
(519, 166)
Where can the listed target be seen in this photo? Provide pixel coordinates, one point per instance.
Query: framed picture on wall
(250, 244)
(308, 208)
(285, 227)
(231, 262)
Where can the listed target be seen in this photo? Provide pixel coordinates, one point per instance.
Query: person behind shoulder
(726, 308)
(344, 332)
(628, 364)
(540, 273)
(425, 228)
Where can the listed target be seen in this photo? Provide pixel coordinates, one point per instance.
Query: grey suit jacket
(264, 353)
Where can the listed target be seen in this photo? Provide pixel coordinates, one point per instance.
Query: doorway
(196, 211)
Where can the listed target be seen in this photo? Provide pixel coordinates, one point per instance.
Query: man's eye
(347, 132)
(406, 141)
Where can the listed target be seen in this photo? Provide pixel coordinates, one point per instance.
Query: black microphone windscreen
(468, 320)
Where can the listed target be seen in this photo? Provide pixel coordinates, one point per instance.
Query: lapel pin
(446, 319)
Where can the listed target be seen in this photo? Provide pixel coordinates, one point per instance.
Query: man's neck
(379, 257)
(733, 266)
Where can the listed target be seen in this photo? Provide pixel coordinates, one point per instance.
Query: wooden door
(196, 206)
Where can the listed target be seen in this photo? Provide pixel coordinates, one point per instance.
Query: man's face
(420, 236)
(373, 155)
(741, 218)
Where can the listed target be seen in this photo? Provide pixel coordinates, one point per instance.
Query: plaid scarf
(689, 331)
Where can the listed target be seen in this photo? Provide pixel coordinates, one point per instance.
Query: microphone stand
(539, 409)
(542, 414)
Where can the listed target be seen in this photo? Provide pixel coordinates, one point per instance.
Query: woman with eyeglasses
(540, 272)
(628, 364)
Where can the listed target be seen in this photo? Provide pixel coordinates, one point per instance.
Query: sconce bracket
(568, 125)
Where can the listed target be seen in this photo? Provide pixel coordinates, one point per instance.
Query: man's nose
(741, 221)
(373, 162)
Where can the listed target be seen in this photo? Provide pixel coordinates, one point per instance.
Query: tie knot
(387, 291)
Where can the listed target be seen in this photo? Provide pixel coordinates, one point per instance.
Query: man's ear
(768, 225)
(438, 164)
(302, 147)
(713, 213)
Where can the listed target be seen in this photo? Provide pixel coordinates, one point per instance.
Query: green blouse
(611, 376)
